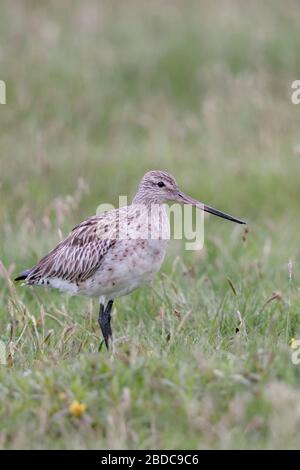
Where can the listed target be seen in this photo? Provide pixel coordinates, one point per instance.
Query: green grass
(98, 93)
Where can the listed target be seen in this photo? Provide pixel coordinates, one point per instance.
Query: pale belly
(127, 266)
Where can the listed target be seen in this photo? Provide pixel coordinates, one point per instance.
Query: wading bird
(113, 253)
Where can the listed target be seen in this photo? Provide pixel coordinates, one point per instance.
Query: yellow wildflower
(77, 409)
(293, 343)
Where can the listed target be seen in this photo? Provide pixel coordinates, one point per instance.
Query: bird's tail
(22, 276)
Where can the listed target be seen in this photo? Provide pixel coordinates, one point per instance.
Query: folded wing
(77, 257)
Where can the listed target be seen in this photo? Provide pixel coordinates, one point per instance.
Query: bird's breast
(136, 256)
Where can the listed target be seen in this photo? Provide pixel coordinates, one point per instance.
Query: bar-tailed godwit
(111, 254)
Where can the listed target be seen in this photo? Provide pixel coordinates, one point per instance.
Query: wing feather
(77, 257)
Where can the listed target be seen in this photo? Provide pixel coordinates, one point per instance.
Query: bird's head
(157, 187)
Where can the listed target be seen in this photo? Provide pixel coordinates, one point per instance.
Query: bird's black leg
(104, 321)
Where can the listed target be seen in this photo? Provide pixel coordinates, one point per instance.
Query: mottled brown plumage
(76, 258)
(113, 253)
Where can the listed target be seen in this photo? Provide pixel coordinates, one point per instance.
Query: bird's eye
(160, 184)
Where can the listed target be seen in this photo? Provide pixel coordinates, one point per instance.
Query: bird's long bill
(185, 199)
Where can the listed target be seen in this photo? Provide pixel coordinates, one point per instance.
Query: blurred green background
(98, 92)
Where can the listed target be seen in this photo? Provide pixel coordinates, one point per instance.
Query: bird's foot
(104, 323)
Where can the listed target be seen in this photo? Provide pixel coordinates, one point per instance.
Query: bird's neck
(146, 199)
(152, 219)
